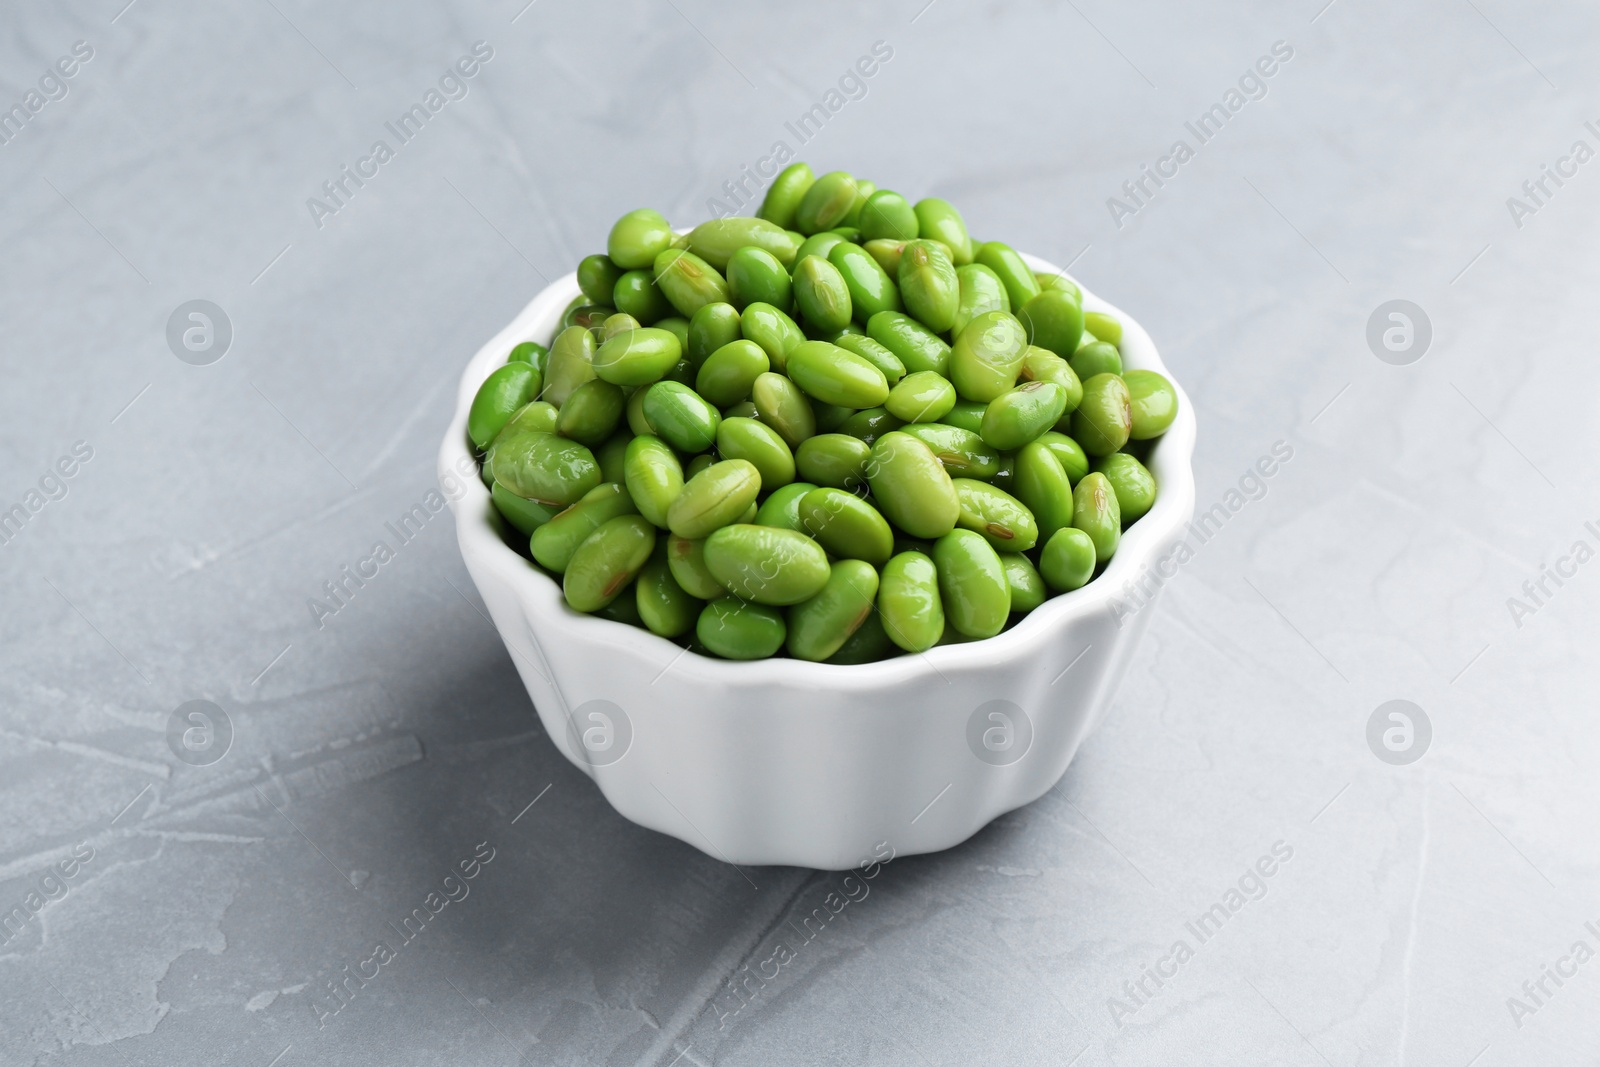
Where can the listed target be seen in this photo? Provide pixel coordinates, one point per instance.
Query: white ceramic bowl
(782, 761)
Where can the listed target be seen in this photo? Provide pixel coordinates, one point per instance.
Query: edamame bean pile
(841, 430)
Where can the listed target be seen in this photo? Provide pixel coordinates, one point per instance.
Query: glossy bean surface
(972, 584)
(820, 625)
(909, 601)
(714, 498)
(607, 561)
(767, 564)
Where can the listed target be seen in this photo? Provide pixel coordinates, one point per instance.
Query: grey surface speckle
(375, 753)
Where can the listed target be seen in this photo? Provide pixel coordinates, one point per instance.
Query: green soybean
(960, 451)
(1014, 274)
(1131, 481)
(972, 584)
(844, 383)
(716, 240)
(540, 416)
(654, 477)
(846, 525)
(747, 439)
(638, 237)
(821, 294)
(767, 564)
(713, 326)
(785, 193)
(1067, 561)
(1104, 420)
(1014, 418)
(689, 282)
(888, 214)
(728, 374)
(1153, 403)
(524, 515)
(681, 416)
(818, 244)
(606, 561)
(826, 203)
(820, 625)
(1096, 357)
(634, 412)
(833, 459)
(1074, 461)
(940, 220)
(591, 413)
(589, 316)
(967, 414)
(571, 364)
(665, 607)
(864, 192)
(621, 322)
(782, 507)
(781, 405)
(912, 486)
(1095, 511)
(1043, 365)
(756, 275)
(834, 375)
(543, 467)
(503, 393)
(888, 254)
(874, 353)
(913, 344)
(1058, 280)
(1000, 518)
(909, 602)
(929, 284)
(687, 558)
(530, 352)
(678, 326)
(1104, 327)
(1043, 487)
(554, 543)
(624, 608)
(871, 289)
(1053, 320)
(921, 397)
(597, 277)
(849, 329)
(736, 629)
(714, 498)
(1024, 580)
(612, 456)
(868, 644)
(869, 424)
(980, 292)
(987, 356)
(637, 357)
(637, 294)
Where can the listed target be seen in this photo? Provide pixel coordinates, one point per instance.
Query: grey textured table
(1421, 912)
